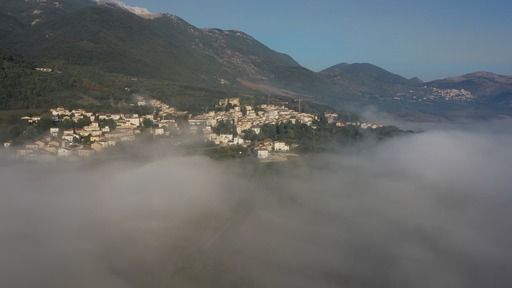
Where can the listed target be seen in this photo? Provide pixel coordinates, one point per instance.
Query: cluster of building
(363, 125)
(427, 94)
(264, 149)
(107, 130)
(451, 94)
(43, 69)
(333, 118)
(68, 143)
(246, 118)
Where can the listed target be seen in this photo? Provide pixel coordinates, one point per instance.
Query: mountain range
(102, 52)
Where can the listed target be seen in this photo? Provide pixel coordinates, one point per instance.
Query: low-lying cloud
(427, 210)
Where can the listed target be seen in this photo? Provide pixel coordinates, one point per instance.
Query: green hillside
(167, 48)
(101, 55)
(364, 78)
(96, 52)
(29, 12)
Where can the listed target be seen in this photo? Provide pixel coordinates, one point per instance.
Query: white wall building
(262, 153)
(54, 131)
(158, 131)
(63, 152)
(281, 146)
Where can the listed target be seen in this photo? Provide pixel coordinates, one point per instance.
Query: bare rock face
(132, 9)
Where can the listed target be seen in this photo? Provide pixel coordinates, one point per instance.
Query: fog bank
(426, 210)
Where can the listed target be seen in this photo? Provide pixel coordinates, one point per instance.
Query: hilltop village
(78, 134)
(435, 94)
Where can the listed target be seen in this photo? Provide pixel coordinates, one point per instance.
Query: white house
(44, 69)
(60, 111)
(68, 137)
(32, 146)
(135, 121)
(225, 138)
(158, 131)
(238, 141)
(64, 152)
(262, 153)
(281, 146)
(54, 131)
(331, 117)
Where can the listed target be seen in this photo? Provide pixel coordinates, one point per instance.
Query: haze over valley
(140, 150)
(425, 210)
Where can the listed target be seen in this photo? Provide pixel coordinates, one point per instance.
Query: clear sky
(429, 39)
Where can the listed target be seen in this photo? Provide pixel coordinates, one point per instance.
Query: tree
(321, 121)
(86, 139)
(225, 127)
(229, 152)
(110, 123)
(182, 122)
(81, 123)
(30, 133)
(229, 107)
(44, 124)
(268, 131)
(66, 124)
(250, 135)
(290, 134)
(140, 110)
(148, 123)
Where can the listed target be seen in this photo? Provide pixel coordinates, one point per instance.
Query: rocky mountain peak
(133, 9)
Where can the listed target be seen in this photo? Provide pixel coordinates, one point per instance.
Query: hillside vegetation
(101, 56)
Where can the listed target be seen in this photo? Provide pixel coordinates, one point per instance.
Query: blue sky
(429, 39)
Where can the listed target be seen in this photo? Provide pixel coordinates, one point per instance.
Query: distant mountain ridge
(366, 79)
(163, 51)
(367, 71)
